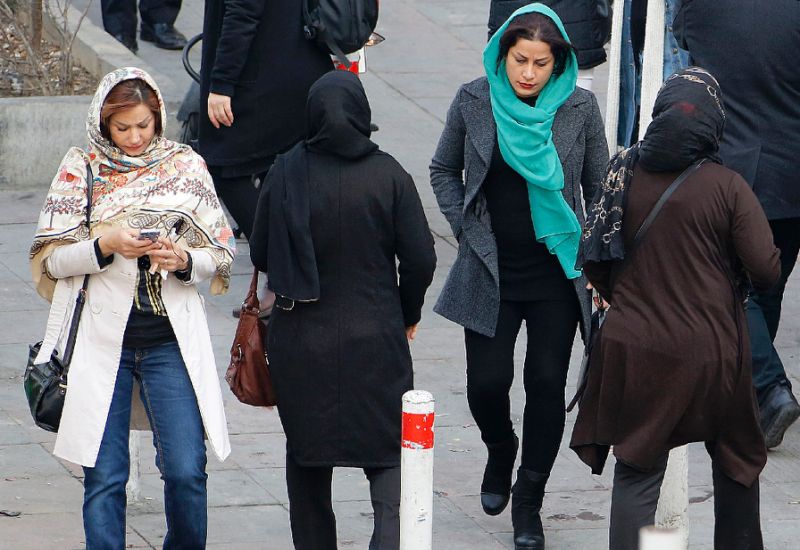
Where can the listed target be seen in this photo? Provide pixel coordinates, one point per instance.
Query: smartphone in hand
(149, 234)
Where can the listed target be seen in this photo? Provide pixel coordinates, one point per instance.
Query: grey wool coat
(471, 294)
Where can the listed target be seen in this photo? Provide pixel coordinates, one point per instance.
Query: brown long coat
(672, 364)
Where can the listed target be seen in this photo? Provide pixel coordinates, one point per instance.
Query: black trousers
(311, 510)
(764, 310)
(119, 16)
(240, 196)
(551, 329)
(737, 521)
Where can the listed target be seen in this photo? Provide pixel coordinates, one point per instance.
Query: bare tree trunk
(37, 13)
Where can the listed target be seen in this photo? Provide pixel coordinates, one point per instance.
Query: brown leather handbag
(248, 373)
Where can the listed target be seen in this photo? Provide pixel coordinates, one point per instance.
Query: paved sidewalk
(432, 47)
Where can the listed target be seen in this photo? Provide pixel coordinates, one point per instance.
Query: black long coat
(751, 47)
(255, 52)
(341, 364)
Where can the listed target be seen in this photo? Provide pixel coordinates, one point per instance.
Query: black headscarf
(688, 118)
(337, 123)
(338, 117)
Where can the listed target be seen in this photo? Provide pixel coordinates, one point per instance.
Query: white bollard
(134, 486)
(673, 502)
(655, 538)
(416, 471)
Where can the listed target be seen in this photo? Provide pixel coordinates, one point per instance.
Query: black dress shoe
(163, 35)
(127, 41)
(778, 411)
(496, 485)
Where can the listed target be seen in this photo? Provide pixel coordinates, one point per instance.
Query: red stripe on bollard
(417, 431)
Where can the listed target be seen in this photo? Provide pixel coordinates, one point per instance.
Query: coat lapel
(481, 127)
(567, 126)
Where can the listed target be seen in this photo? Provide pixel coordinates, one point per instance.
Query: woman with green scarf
(522, 152)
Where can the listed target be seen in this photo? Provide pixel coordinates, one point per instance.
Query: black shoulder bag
(599, 316)
(46, 383)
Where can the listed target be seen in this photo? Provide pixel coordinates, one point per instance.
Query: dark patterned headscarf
(688, 118)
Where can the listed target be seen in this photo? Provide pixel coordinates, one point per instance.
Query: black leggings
(490, 372)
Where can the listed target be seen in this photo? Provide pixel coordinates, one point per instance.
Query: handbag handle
(81, 299)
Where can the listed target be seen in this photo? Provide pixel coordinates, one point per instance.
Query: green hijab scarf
(525, 138)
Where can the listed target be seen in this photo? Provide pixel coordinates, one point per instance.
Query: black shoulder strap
(648, 221)
(81, 299)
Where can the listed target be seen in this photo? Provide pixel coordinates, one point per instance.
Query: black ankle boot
(526, 504)
(496, 485)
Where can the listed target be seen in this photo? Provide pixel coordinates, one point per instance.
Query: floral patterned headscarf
(167, 183)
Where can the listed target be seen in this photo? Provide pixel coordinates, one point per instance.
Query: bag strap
(648, 221)
(81, 299)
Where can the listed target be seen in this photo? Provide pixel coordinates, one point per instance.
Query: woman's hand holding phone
(125, 242)
(170, 257)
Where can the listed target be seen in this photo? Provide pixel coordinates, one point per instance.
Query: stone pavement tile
(38, 494)
(226, 488)
(15, 266)
(32, 460)
(56, 531)
(19, 296)
(27, 204)
(13, 433)
(16, 237)
(264, 525)
(571, 539)
(258, 450)
(783, 463)
(28, 327)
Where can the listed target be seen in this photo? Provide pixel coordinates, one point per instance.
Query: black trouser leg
(737, 519)
(240, 197)
(384, 492)
(310, 507)
(490, 373)
(786, 235)
(634, 499)
(551, 330)
(764, 311)
(119, 17)
(159, 11)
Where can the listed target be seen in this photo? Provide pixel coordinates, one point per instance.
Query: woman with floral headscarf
(672, 363)
(143, 338)
(522, 151)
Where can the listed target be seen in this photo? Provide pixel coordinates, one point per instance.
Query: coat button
(96, 307)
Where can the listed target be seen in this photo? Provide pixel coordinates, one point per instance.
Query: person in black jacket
(335, 216)
(257, 68)
(158, 18)
(752, 49)
(588, 24)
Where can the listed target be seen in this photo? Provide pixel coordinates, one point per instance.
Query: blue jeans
(178, 437)
(675, 59)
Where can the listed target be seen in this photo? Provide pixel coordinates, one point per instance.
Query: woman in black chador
(342, 232)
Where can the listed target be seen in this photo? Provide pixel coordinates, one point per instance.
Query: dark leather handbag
(248, 373)
(46, 383)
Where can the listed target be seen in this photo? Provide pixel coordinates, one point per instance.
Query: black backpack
(340, 26)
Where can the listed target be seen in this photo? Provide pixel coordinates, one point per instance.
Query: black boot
(528, 494)
(496, 485)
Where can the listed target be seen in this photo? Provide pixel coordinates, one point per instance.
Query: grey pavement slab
(432, 47)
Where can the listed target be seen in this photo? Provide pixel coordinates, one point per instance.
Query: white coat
(96, 356)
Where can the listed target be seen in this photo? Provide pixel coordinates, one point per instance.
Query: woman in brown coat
(672, 363)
